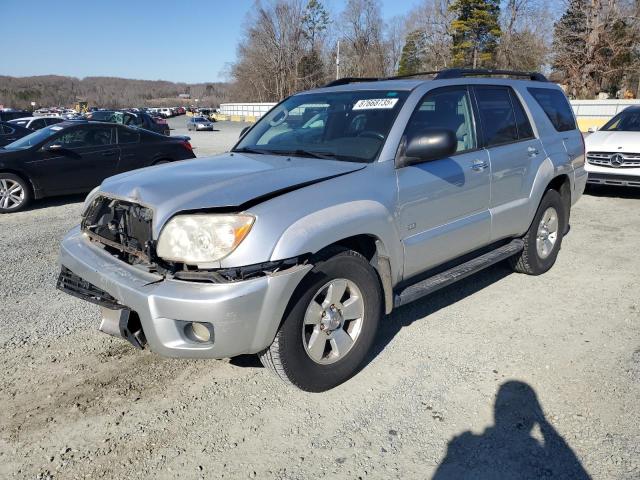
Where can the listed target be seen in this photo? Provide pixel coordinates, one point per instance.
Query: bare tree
(362, 44)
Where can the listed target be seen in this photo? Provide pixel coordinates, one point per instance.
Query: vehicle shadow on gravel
(509, 448)
(55, 201)
(613, 192)
(418, 310)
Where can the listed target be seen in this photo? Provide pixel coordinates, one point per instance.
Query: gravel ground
(562, 351)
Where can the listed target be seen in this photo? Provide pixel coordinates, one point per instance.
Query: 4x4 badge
(616, 160)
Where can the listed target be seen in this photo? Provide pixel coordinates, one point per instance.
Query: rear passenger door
(514, 153)
(132, 152)
(443, 204)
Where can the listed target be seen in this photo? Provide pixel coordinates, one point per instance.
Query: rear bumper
(244, 316)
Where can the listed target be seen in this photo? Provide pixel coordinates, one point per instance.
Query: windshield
(33, 138)
(351, 126)
(625, 121)
(200, 119)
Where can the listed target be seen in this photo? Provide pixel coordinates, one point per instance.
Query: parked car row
(138, 119)
(75, 156)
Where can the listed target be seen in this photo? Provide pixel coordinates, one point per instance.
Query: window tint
(447, 108)
(86, 137)
(128, 136)
(53, 121)
(556, 106)
(626, 121)
(37, 124)
(496, 114)
(522, 121)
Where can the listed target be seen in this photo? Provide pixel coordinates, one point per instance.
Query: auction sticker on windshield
(375, 103)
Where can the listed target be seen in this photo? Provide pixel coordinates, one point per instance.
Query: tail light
(187, 145)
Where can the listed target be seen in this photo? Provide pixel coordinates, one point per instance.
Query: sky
(182, 41)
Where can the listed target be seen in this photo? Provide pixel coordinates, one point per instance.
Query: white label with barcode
(375, 103)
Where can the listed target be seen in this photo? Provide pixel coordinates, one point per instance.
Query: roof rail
(463, 72)
(410, 75)
(346, 80)
(444, 74)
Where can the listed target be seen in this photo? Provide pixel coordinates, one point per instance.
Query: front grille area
(603, 159)
(74, 285)
(124, 228)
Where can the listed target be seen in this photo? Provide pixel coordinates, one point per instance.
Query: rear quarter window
(555, 106)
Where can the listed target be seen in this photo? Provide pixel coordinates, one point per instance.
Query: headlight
(90, 197)
(202, 238)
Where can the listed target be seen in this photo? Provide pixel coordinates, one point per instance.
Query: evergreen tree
(315, 21)
(476, 30)
(412, 52)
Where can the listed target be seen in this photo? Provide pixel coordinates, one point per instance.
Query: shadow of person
(508, 450)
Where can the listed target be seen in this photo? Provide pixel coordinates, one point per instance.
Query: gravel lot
(79, 404)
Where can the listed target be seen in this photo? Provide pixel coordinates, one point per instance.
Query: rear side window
(525, 132)
(497, 115)
(556, 106)
(127, 136)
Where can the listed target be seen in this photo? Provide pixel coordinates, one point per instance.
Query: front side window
(555, 106)
(37, 124)
(449, 109)
(350, 126)
(84, 137)
(625, 121)
(497, 115)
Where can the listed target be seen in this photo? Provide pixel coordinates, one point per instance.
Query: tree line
(590, 46)
(107, 92)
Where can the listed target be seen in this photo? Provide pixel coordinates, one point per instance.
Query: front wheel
(330, 324)
(15, 193)
(544, 238)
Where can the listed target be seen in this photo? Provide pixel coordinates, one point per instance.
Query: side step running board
(440, 280)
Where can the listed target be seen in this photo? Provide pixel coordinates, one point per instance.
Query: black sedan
(75, 156)
(133, 119)
(10, 133)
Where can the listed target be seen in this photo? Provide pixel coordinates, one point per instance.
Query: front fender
(329, 225)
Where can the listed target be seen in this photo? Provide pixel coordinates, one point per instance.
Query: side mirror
(592, 129)
(243, 131)
(429, 144)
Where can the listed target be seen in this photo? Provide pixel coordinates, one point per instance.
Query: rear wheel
(544, 238)
(15, 193)
(330, 324)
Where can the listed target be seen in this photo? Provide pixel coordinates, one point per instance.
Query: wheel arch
(25, 178)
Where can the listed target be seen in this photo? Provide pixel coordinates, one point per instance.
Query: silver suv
(339, 205)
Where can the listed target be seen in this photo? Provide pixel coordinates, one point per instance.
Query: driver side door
(78, 159)
(443, 204)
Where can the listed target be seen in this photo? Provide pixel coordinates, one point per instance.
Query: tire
(15, 193)
(535, 259)
(301, 336)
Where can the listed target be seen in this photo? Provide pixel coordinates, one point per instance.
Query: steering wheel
(371, 134)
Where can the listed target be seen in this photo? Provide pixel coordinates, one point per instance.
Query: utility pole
(338, 62)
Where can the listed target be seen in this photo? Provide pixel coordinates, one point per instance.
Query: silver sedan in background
(199, 123)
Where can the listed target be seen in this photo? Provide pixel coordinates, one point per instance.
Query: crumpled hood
(228, 180)
(612, 141)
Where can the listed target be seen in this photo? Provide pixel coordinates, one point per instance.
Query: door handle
(108, 154)
(533, 151)
(479, 165)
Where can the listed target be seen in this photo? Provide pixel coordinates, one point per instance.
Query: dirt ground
(517, 376)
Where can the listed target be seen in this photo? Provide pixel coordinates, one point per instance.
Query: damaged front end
(124, 229)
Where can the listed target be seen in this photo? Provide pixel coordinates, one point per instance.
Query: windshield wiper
(250, 150)
(299, 152)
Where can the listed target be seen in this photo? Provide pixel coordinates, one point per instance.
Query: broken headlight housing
(200, 239)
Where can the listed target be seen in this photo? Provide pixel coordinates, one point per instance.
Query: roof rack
(347, 80)
(463, 72)
(445, 74)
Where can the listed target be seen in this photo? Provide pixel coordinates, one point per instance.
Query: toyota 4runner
(339, 205)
